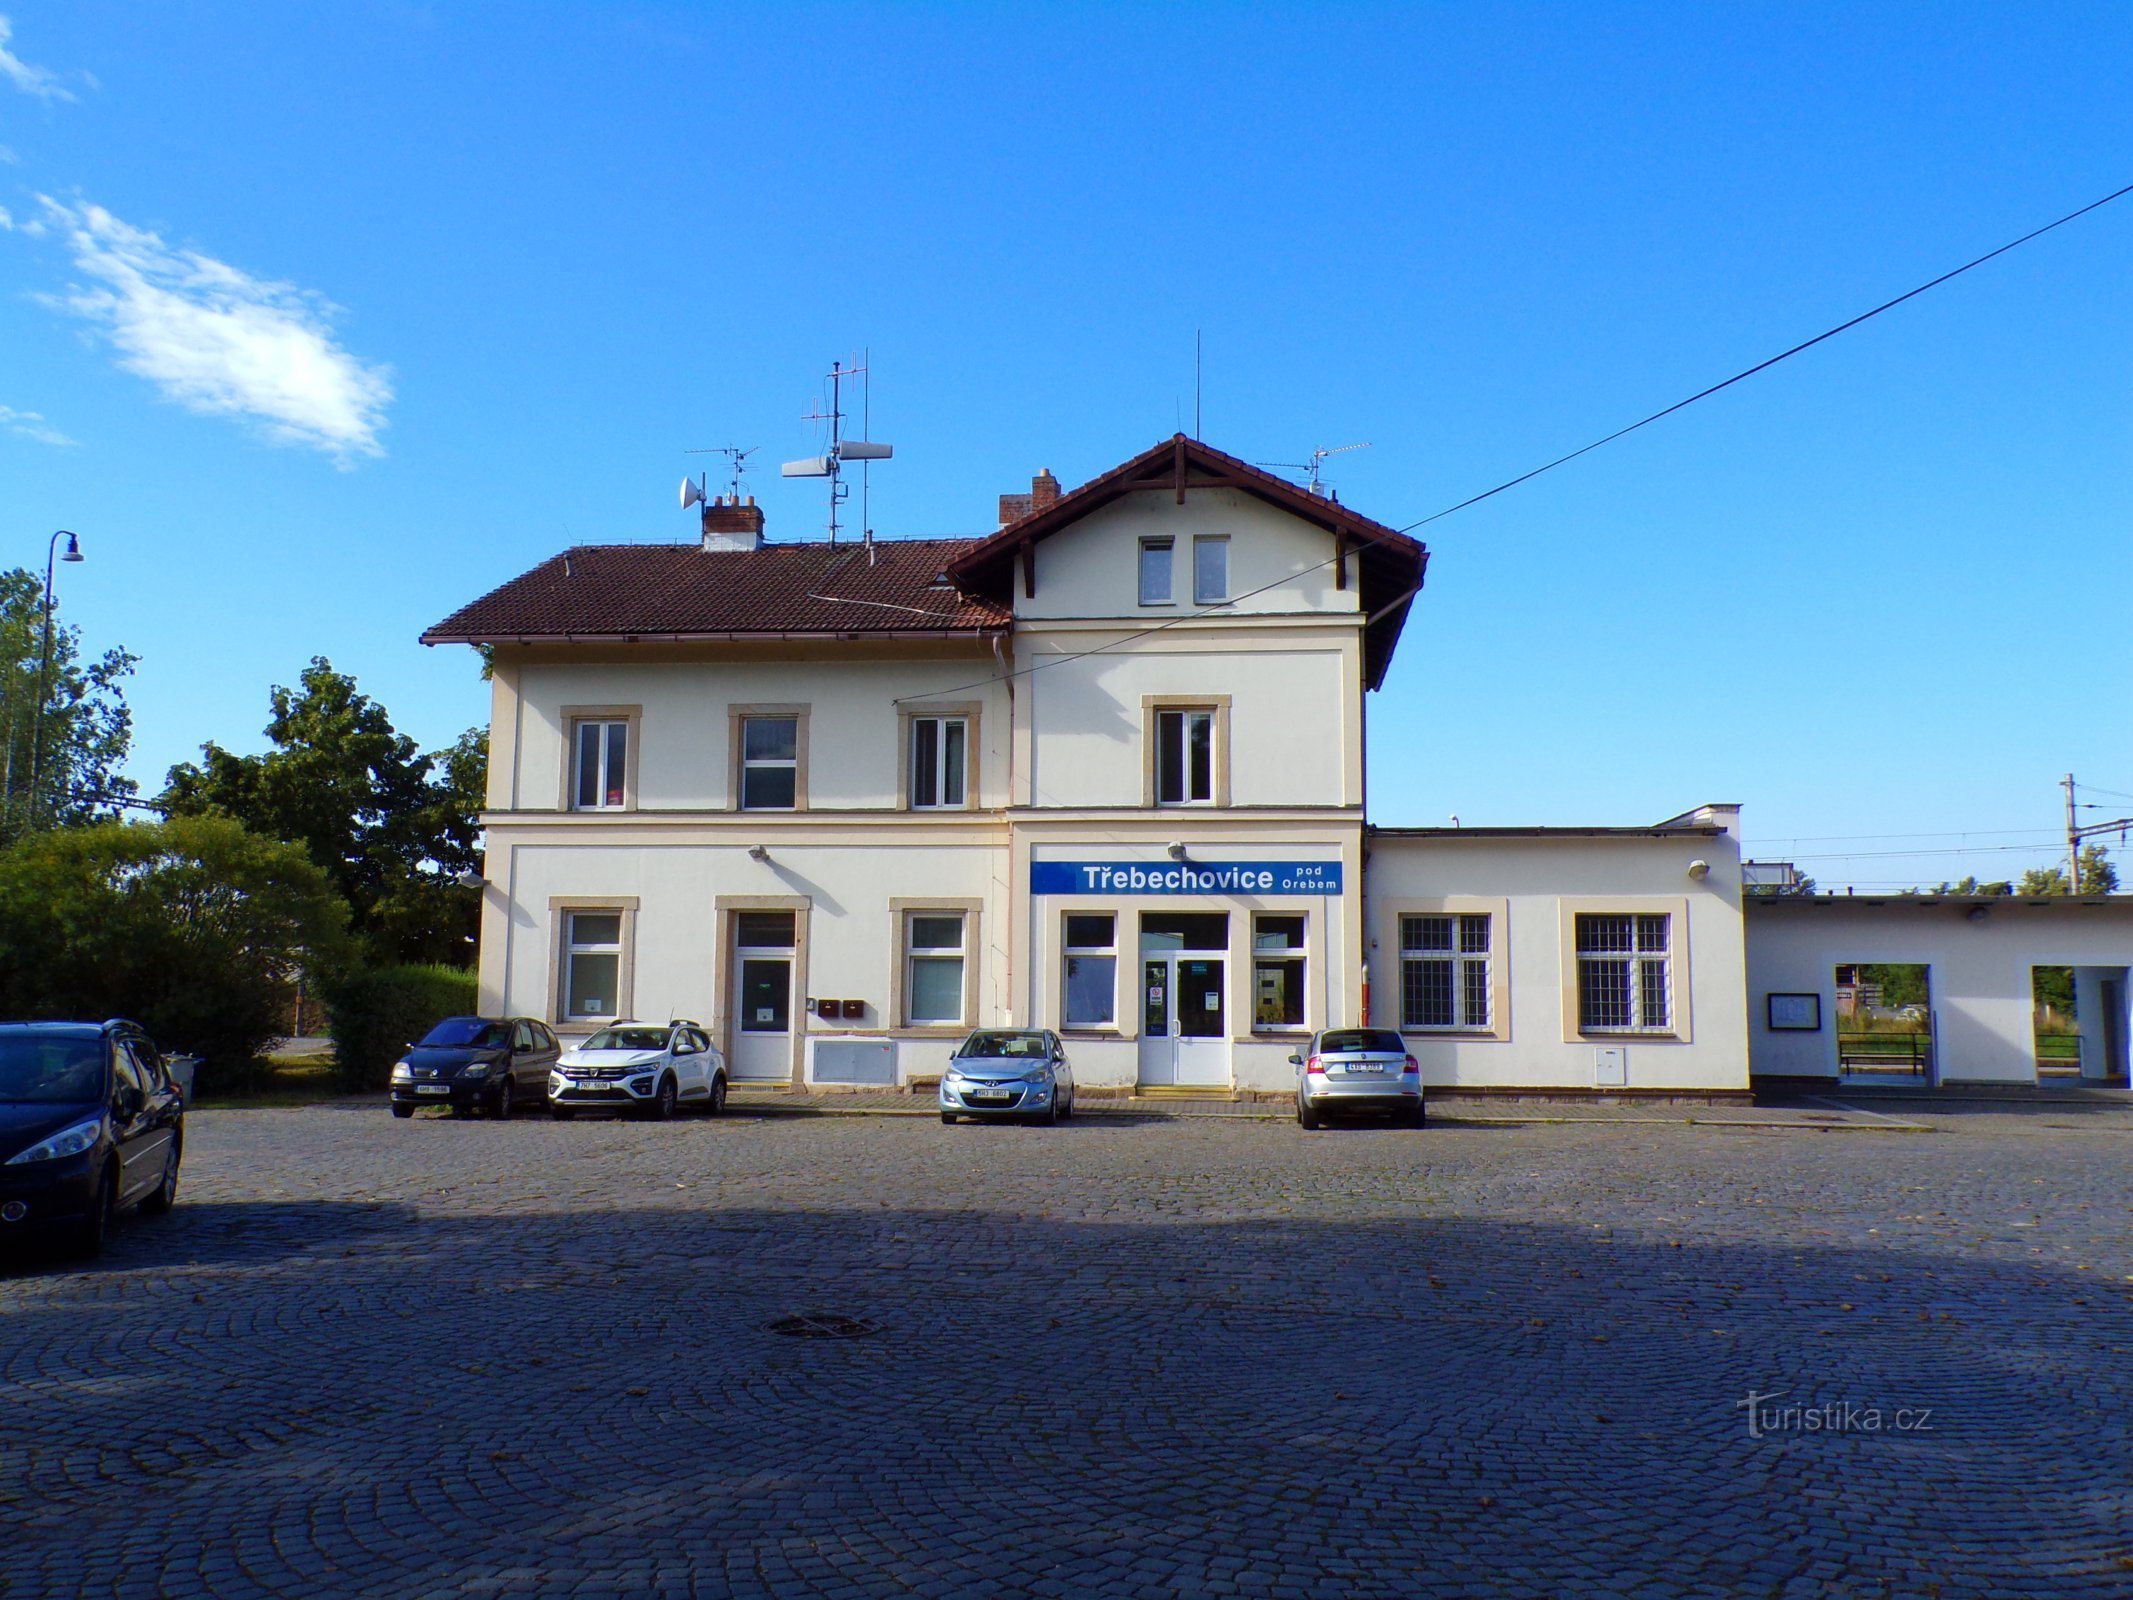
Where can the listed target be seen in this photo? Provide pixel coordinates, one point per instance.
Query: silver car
(1358, 1069)
(1009, 1072)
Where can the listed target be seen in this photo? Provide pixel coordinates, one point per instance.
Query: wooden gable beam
(1029, 569)
(1177, 467)
(1340, 561)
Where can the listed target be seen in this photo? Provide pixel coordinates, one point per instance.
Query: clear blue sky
(347, 313)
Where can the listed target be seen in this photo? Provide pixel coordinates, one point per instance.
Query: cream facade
(1101, 772)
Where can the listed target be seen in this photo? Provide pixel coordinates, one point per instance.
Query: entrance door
(762, 996)
(1184, 1002)
(2114, 1030)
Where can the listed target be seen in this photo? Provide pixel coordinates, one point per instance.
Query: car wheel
(166, 1195)
(502, 1110)
(1049, 1116)
(1419, 1117)
(1306, 1115)
(948, 1117)
(403, 1111)
(1066, 1108)
(95, 1228)
(560, 1113)
(717, 1105)
(662, 1106)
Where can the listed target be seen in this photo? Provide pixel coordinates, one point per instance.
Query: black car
(469, 1063)
(90, 1123)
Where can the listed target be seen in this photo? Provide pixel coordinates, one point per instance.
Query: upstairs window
(939, 759)
(770, 763)
(1444, 971)
(1184, 758)
(1625, 972)
(601, 758)
(1210, 570)
(1155, 572)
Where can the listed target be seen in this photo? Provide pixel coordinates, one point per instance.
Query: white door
(1184, 1030)
(762, 997)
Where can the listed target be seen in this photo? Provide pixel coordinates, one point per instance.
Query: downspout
(999, 655)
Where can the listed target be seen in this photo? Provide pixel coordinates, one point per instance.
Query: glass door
(1203, 1036)
(762, 996)
(1159, 1055)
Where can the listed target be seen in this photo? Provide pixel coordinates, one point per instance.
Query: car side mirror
(1295, 1060)
(130, 1100)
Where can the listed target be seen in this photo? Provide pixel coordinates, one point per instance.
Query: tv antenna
(830, 464)
(694, 494)
(1314, 466)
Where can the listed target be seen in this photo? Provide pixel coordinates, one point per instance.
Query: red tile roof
(608, 591)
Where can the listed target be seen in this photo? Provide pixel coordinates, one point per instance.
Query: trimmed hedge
(376, 1014)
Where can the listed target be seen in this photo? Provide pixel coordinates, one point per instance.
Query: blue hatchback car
(1020, 1073)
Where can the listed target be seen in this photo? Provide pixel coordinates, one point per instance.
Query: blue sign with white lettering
(1184, 877)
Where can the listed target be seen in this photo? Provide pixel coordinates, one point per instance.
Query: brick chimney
(1043, 491)
(730, 525)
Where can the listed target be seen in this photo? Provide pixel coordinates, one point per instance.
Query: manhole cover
(824, 1325)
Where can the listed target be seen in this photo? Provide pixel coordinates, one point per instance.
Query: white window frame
(1469, 968)
(1068, 951)
(914, 954)
(1202, 593)
(940, 765)
(607, 780)
(1168, 547)
(1649, 949)
(1297, 956)
(790, 763)
(572, 947)
(1186, 717)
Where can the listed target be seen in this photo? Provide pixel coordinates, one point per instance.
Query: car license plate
(587, 1085)
(991, 1096)
(1366, 1066)
(433, 1088)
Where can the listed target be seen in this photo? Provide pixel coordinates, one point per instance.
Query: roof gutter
(981, 631)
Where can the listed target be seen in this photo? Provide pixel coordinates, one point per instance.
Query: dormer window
(1155, 572)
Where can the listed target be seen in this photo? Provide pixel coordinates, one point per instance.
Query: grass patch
(281, 1081)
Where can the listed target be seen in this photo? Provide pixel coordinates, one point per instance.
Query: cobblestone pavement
(1121, 1357)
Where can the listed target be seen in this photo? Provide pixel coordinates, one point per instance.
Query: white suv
(650, 1068)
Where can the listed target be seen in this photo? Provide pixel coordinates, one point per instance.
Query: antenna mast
(2077, 830)
(1316, 464)
(736, 463)
(841, 449)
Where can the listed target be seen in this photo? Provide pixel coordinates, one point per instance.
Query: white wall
(1531, 877)
(1092, 568)
(1980, 984)
(684, 760)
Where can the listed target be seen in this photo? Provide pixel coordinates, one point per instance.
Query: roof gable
(1388, 566)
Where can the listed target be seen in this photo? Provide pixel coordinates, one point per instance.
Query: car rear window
(45, 1070)
(1346, 1041)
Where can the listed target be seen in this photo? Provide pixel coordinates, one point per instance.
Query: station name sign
(1184, 877)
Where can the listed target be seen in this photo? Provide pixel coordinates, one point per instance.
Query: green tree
(1901, 983)
(1970, 885)
(87, 727)
(192, 927)
(2099, 875)
(390, 826)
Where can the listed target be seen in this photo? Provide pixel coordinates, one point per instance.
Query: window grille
(1445, 975)
(1625, 972)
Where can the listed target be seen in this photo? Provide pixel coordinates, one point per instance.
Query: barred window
(1625, 972)
(1445, 981)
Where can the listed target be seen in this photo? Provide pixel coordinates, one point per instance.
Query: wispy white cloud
(31, 425)
(217, 340)
(39, 81)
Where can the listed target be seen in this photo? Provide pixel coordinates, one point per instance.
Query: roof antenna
(1196, 433)
(1315, 464)
(695, 494)
(841, 449)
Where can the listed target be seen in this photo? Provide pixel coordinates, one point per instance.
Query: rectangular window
(939, 757)
(1625, 972)
(592, 964)
(1091, 992)
(1155, 572)
(933, 968)
(1210, 570)
(601, 756)
(1184, 758)
(1444, 970)
(1278, 972)
(770, 763)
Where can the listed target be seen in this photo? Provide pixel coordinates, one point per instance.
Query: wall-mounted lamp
(1699, 869)
(1176, 849)
(470, 879)
(1978, 913)
(757, 852)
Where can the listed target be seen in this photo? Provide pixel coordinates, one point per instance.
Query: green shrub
(375, 1014)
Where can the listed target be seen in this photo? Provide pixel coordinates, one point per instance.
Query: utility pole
(2077, 830)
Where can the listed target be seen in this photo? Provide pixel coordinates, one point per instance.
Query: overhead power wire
(1765, 366)
(1528, 477)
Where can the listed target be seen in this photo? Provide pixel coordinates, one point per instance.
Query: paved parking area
(1128, 1356)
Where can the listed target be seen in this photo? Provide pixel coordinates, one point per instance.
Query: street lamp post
(44, 667)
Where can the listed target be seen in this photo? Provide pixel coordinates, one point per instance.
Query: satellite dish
(864, 450)
(690, 494)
